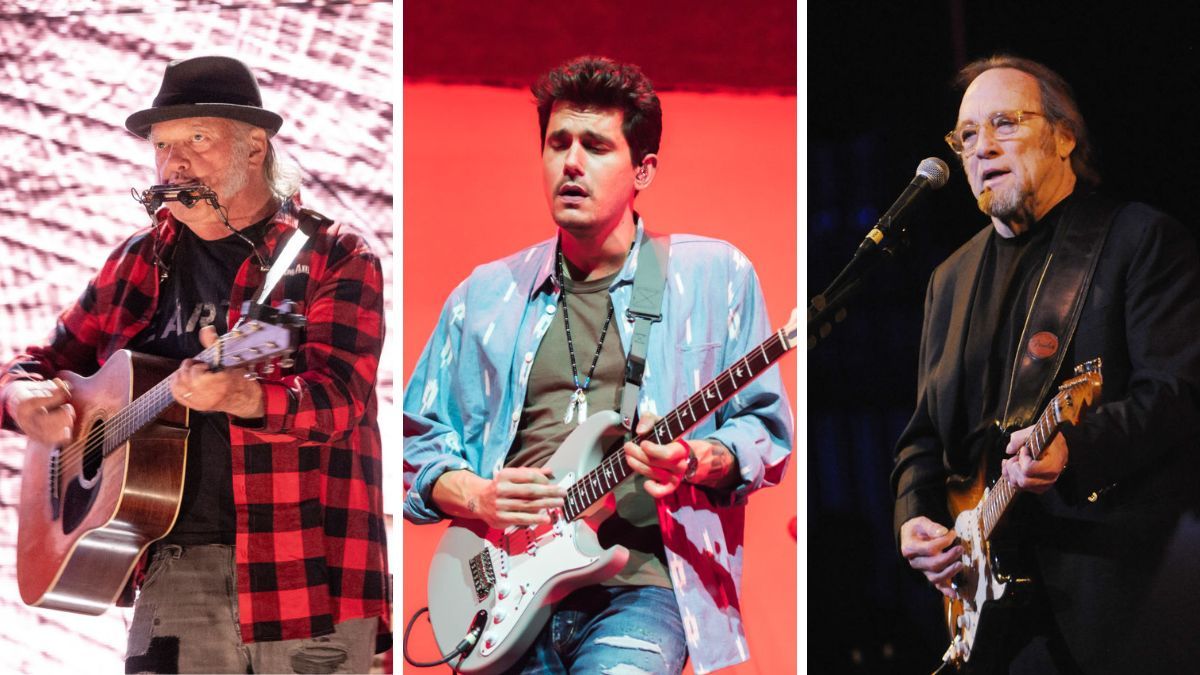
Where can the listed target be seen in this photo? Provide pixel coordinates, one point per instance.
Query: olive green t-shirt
(542, 429)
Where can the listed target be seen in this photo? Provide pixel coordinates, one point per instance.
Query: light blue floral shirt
(464, 401)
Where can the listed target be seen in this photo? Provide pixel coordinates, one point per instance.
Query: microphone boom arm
(828, 307)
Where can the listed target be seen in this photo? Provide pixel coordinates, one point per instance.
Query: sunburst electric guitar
(90, 508)
(504, 582)
(985, 590)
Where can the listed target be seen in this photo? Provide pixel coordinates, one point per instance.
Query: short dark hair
(1058, 105)
(600, 82)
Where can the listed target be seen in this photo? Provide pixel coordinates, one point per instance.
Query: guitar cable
(463, 648)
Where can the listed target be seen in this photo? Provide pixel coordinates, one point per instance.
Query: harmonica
(189, 195)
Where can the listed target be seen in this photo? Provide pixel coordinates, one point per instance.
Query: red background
(726, 74)
(472, 193)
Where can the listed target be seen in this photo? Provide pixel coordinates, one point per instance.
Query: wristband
(692, 463)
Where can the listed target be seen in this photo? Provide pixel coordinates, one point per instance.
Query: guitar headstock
(790, 331)
(252, 342)
(1078, 393)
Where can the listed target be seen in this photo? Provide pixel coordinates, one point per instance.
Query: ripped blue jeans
(612, 630)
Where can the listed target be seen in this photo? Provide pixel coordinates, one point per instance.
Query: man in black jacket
(1108, 493)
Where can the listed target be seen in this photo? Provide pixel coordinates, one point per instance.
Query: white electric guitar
(505, 582)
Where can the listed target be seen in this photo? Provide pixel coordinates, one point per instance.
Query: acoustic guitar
(91, 507)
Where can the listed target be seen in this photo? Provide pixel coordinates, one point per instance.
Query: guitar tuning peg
(268, 368)
(287, 362)
(250, 375)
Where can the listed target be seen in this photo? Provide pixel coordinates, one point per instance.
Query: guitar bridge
(55, 484)
(482, 575)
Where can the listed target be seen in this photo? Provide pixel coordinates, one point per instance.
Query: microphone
(932, 174)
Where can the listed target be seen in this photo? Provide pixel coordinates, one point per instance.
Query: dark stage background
(880, 100)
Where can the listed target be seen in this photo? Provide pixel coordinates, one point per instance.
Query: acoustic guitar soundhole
(82, 489)
(93, 453)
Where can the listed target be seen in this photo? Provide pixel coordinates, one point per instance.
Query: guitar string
(118, 422)
(128, 420)
(776, 345)
(998, 499)
(142, 410)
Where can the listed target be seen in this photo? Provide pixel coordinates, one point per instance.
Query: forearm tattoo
(720, 467)
(471, 506)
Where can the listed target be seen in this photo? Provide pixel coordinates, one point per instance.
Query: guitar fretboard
(994, 505)
(146, 408)
(594, 485)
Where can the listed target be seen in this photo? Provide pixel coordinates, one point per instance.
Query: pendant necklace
(578, 400)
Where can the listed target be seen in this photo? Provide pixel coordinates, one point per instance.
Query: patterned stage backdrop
(70, 72)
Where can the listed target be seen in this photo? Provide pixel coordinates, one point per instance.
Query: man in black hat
(277, 560)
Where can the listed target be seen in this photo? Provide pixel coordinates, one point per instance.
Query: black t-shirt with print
(194, 295)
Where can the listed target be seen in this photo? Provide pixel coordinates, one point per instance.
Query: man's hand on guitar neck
(42, 410)
(1024, 472)
(930, 548)
(514, 496)
(665, 466)
(228, 391)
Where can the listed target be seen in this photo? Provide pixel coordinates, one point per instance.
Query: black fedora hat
(206, 86)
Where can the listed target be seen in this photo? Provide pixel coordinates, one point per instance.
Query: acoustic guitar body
(88, 512)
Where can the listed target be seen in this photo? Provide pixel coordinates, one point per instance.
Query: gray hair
(281, 176)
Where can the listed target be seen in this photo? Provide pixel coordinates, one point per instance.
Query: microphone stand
(829, 307)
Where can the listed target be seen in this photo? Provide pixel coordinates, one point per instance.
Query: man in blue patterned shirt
(528, 344)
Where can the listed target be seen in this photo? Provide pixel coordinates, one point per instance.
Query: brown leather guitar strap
(1057, 303)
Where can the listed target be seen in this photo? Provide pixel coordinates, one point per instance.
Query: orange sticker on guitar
(1043, 345)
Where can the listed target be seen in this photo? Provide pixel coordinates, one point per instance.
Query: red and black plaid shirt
(307, 478)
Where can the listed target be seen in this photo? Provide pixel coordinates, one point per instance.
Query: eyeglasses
(1004, 125)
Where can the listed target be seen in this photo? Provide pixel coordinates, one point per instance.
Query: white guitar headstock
(790, 331)
(249, 343)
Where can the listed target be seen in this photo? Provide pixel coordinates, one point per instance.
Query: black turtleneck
(1008, 277)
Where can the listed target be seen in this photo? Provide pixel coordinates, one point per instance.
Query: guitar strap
(1057, 304)
(645, 309)
(308, 223)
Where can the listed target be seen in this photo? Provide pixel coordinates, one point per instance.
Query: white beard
(1015, 204)
(236, 175)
